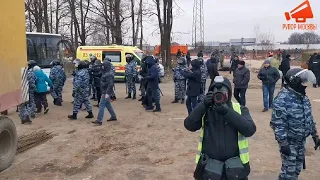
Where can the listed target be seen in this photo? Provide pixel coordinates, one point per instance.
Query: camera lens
(218, 97)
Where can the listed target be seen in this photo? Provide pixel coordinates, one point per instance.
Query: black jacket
(234, 64)
(96, 74)
(285, 65)
(194, 79)
(212, 68)
(220, 139)
(241, 77)
(310, 61)
(269, 75)
(221, 132)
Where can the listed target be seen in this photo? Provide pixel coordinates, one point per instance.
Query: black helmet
(87, 63)
(82, 65)
(55, 63)
(182, 61)
(31, 64)
(297, 76)
(97, 62)
(107, 59)
(93, 58)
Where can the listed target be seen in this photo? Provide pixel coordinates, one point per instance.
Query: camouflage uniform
(58, 78)
(292, 123)
(143, 73)
(81, 91)
(179, 82)
(204, 75)
(28, 109)
(131, 74)
(92, 89)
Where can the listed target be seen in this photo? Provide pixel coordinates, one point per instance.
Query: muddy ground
(141, 145)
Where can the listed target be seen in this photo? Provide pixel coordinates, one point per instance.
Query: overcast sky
(227, 19)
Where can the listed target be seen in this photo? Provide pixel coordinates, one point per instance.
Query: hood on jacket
(106, 66)
(195, 64)
(36, 68)
(225, 83)
(150, 61)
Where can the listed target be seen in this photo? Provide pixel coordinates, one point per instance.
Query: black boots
(73, 116)
(157, 110)
(57, 102)
(46, 110)
(134, 96)
(26, 120)
(129, 96)
(175, 101)
(90, 115)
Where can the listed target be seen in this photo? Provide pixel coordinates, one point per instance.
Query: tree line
(102, 22)
(304, 38)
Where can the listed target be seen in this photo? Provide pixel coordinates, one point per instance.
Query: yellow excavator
(13, 60)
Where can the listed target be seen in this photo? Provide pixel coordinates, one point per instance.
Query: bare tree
(141, 25)
(35, 9)
(256, 31)
(45, 16)
(134, 40)
(267, 41)
(165, 25)
(304, 38)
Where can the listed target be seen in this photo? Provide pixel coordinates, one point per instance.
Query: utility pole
(198, 24)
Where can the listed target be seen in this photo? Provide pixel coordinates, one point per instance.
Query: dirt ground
(141, 145)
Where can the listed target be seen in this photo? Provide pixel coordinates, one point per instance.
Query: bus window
(135, 59)
(114, 56)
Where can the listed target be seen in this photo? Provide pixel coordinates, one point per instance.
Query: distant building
(243, 42)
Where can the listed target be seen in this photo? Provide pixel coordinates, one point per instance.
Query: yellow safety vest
(242, 141)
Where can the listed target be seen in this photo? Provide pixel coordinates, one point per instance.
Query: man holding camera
(223, 149)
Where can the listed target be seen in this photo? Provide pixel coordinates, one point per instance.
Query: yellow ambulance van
(117, 54)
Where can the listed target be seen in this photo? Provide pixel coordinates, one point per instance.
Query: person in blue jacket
(153, 91)
(41, 89)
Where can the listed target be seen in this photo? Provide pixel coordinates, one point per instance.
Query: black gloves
(221, 109)
(316, 142)
(208, 100)
(285, 150)
(134, 79)
(72, 94)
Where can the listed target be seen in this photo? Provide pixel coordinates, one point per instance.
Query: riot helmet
(82, 65)
(97, 62)
(93, 58)
(76, 62)
(55, 63)
(182, 61)
(31, 64)
(297, 79)
(129, 57)
(107, 59)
